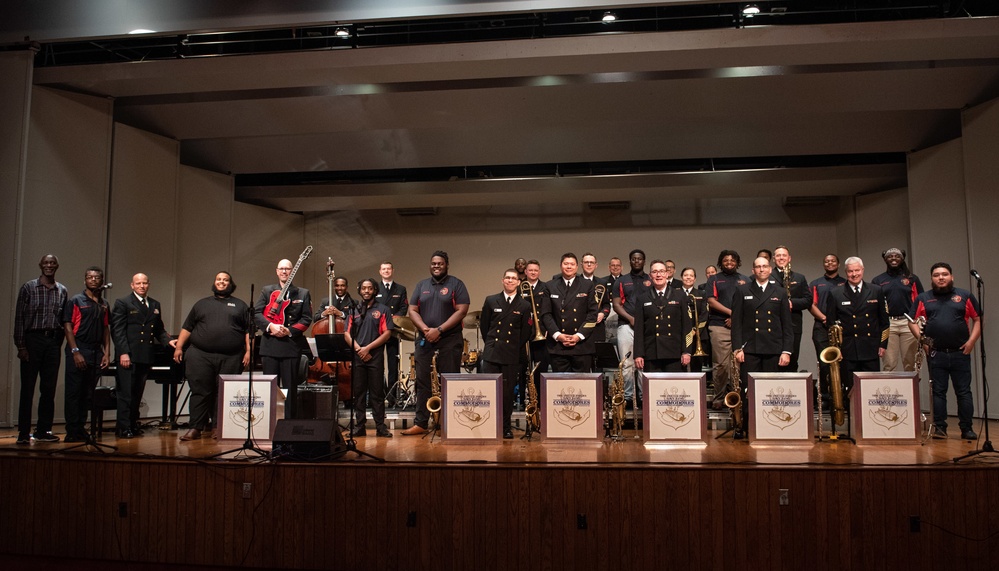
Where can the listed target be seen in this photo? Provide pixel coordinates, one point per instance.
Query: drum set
(403, 391)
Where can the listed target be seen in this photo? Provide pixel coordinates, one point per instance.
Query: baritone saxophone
(434, 403)
(733, 398)
(831, 356)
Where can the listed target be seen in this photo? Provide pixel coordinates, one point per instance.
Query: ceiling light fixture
(750, 10)
(609, 17)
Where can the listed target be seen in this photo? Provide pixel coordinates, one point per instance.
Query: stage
(163, 503)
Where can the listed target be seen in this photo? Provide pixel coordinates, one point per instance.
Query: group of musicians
(658, 323)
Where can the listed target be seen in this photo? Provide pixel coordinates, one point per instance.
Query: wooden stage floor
(165, 445)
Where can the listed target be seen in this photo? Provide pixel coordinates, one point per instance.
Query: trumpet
(831, 356)
(697, 329)
(434, 403)
(525, 287)
(733, 399)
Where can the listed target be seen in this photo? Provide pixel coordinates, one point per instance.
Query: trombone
(525, 288)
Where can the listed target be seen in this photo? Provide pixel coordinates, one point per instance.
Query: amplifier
(310, 440)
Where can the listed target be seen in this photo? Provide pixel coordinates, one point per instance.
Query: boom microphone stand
(987, 445)
(249, 449)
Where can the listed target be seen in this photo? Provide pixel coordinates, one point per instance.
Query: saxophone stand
(249, 449)
(987, 445)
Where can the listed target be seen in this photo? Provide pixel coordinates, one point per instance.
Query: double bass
(337, 372)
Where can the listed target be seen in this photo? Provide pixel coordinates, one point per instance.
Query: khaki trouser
(721, 356)
(901, 347)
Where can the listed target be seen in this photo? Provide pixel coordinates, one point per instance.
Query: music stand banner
(780, 408)
(884, 408)
(236, 409)
(472, 407)
(572, 406)
(676, 408)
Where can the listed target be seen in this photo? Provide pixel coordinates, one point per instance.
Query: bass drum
(331, 373)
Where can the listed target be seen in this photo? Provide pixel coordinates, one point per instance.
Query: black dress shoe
(359, 431)
(383, 431)
(739, 434)
(75, 437)
(507, 434)
(193, 434)
(127, 433)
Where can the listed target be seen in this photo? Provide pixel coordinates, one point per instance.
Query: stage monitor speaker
(310, 440)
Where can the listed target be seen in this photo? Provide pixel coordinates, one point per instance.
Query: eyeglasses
(761, 267)
(657, 272)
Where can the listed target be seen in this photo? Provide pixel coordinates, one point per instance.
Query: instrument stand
(249, 450)
(987, 445)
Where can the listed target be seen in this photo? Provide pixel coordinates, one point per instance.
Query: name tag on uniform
(647, 303)
(872, 301)
(844, 303)
(231, 304)
(581, 295)
(497, 310)
(554, 296)
(673, 302)
(747, 297)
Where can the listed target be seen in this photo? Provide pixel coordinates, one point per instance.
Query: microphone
(108, 285)
(974, 274)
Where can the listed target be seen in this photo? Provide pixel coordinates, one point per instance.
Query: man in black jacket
(506, 327)
(136, 326)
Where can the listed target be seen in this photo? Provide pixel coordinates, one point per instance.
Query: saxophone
(434, 403)
(831, 356)
(617, 400)
(733, 399)
(532, 410)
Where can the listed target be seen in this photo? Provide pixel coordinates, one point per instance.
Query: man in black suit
(282, 337)
(860, 309)
(664, 325)
(571, 305)
(342, 303)
(762, 333)
(136, 324)
(801, 299)
(392, 294)
(505, 326)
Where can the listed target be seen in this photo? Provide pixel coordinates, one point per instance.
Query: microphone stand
(249, 449)
(987, 445)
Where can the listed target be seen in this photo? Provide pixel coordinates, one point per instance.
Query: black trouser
(287, 371)
(664, 366)
(571, 363)
(80, 385)
(847, 368)
(510, 374)
(202, 369)
(129, 385)
(368, 384)
(448, 361)
(44, 355)
(792, 365)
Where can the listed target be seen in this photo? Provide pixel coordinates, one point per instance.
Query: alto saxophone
(434, 403)
(733, 399)
(831, 356)
(617, 400)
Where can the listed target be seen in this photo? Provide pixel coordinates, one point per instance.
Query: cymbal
(472, 319)
(404, 327)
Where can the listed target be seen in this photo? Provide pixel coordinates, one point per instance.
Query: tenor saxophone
(733, 399)
(617, 400)
(434, 403)
(831, 356)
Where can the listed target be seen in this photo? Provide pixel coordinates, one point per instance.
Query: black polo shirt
(821, 287)
(628, 287)
(438, 300)
(89, 320)
(218, 325)
(376, 320)
(723, 287)
(900, 291)
(947, 316)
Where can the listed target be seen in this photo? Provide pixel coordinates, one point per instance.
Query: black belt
(48, 332)
(897, 316)
(939, 350)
